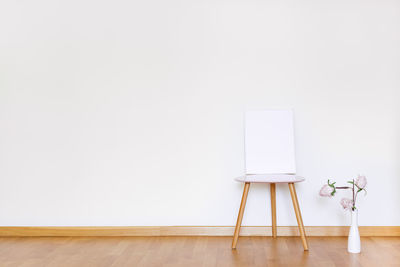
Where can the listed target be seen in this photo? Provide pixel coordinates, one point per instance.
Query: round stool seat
(270, 178)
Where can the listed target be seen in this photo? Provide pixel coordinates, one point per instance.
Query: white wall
(131, 112)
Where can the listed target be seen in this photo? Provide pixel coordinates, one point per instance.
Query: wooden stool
(272, 180)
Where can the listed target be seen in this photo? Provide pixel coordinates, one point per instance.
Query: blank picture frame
(269, 142)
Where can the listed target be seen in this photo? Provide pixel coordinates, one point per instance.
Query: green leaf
(359, 190)
(333, 186)
(358, 186)
(350, 182)
(334, 191)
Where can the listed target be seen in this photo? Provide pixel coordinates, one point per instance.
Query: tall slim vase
(354, 244)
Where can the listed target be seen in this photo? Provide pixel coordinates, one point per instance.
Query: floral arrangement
(358, 185)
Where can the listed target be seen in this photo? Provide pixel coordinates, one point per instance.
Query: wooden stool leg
(240, 215)
(273, 209)
(298, 215)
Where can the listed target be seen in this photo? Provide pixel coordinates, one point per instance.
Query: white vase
(354, 244)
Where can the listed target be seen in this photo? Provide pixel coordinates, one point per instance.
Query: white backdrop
(131, 112)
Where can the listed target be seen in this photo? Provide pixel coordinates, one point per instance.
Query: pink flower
(361, 181)
(346, 203)
(326, 191)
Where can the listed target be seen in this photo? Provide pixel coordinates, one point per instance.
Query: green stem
(354, 201)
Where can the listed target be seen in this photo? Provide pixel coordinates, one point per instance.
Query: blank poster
(269, 142)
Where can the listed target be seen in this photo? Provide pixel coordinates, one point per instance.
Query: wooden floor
(195, 251)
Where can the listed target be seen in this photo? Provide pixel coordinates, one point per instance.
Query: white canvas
(269, 142)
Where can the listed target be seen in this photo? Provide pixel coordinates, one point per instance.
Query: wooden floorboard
(195, 251)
